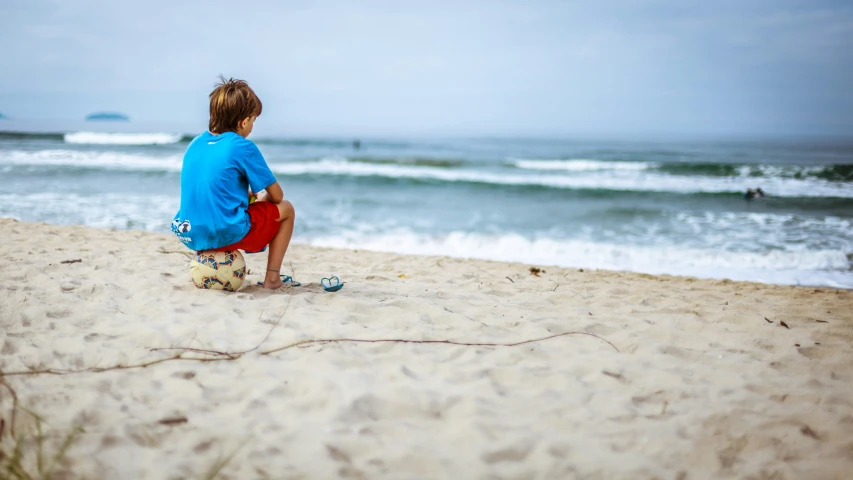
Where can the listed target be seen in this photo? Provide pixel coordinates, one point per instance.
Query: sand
(684, 378)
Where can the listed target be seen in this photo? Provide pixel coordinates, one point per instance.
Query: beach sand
(683, 378)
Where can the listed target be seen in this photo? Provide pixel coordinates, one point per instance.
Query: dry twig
(225, 356)
(448, 342)
(14, 405)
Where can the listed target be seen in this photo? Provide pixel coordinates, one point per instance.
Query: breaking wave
(577, 165)
(620, 180)
(625, 180)
(825, 267)
(97, 138)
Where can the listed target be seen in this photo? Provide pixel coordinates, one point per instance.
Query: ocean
(654, 207)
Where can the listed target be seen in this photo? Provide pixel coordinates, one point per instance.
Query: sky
(473, 67)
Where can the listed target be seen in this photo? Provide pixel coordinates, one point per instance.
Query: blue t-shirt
(215, 179)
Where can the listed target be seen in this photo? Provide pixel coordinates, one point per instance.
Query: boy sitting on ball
(220, 167)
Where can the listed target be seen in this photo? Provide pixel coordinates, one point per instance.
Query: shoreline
(703, 378)
(298, 244)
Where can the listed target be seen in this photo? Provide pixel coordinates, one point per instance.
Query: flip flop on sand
(286, 279)
(332, 284)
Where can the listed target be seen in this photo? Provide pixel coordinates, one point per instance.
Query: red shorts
(263, 217)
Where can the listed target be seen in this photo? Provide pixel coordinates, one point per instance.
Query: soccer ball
(218, 270)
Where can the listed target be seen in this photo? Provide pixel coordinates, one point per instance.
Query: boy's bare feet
(272, 280)
(279, 245)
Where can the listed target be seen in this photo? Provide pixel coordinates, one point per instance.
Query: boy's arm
(260, 176)
(274, 194)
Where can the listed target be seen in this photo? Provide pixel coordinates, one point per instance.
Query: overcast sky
(620, 67)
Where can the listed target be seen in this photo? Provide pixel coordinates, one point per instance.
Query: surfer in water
(750, 193)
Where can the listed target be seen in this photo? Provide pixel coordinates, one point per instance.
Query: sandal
(285, 279)
(332, 287)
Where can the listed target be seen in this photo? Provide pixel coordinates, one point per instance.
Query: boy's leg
(279, 244)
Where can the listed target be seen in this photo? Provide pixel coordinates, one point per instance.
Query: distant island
(112, 116)
(2, 116)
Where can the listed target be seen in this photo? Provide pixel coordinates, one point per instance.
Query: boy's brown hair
(231, 101)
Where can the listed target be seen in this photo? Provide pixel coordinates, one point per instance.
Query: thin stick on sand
(448, 342)
(14, 406)
(226, 356)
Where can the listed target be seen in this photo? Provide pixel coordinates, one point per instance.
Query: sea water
(662, 207)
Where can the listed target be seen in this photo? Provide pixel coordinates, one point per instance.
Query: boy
(220, 170)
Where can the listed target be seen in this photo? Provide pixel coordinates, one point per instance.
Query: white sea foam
(576, 165)
(753, 172)
(107, 210)
(822, 267)
(758, 231)
(99, 138)
(782, 260)
(619, 180)
(626, 180)
(758, 171)
(90, 159)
